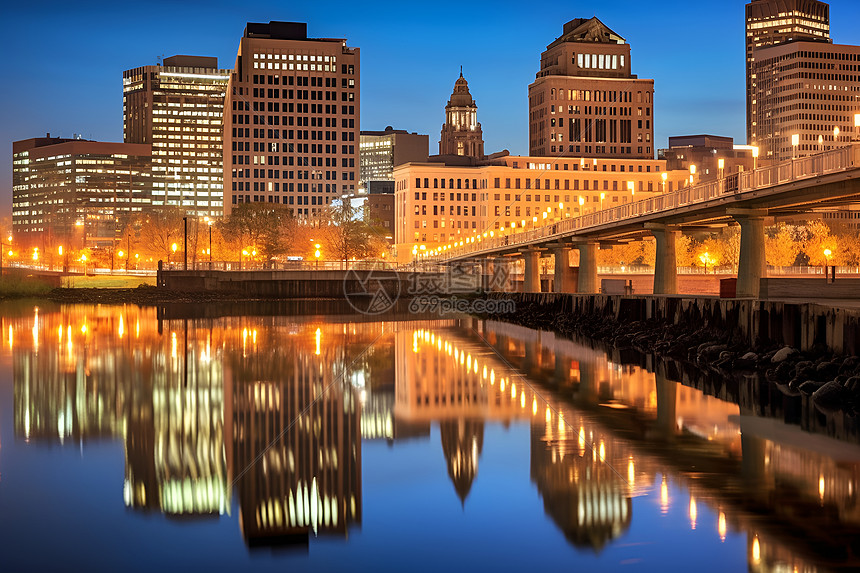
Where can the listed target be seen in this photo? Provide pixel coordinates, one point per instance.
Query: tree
(346, 232)
(264, 227)
(781, 249)
(817, 238)
(684, 246)
(159, 230)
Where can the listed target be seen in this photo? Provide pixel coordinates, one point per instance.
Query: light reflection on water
(262, 421)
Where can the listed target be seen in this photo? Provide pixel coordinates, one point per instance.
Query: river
(135, 438)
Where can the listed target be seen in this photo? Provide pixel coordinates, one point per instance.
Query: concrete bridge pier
(587, 282)
(752, 265)
(564, 279)
(531, 276)
(666, 263)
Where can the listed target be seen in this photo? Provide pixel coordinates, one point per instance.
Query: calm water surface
(311, 444)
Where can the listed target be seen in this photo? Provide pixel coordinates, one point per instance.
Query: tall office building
(585, 101)
(381, 151)
(291, 119)
(178, 108)
(774, 22)
(76, 192)
(461, 132)
(807, 89)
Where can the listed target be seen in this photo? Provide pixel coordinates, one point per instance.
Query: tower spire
(461, 70)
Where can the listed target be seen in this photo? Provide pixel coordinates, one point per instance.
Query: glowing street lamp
(632, 188)
(755, 157)
(835, 135)
(820, 143)
(706, 260)
(795, 141)
(318, 253)
(721, 164)
(664, 176)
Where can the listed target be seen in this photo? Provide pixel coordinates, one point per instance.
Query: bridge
(828, 179)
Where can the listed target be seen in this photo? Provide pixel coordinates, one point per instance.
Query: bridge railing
(803, 168)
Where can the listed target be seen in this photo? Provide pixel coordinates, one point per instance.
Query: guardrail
(840, 159)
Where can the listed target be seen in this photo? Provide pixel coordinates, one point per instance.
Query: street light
(173, 247)
(755, 157)
(820, 143)
(835, 135)
(706, 260)
(631, 188)
(664, 176)
(795, 141)
(721, 164)
(857, 126)
(318, 253)
(827, 253)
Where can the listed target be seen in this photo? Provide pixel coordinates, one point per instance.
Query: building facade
(438, 204)
(807, 89)
(381, 151)
(585, 102)
(291, 120)
(774, 22)
(77, 192)
(178, 109)
(712, 155)
(461, 132)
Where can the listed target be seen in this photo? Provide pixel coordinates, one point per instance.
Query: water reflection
(274, 410)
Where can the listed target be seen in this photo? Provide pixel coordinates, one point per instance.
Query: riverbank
(144, 295)
(713, 339)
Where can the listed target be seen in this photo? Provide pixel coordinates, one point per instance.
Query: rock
(850, 365)
(829, 397)
(809, 387)
(826, 371)
(783, 353)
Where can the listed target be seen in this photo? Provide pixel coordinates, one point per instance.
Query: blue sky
(64, 73)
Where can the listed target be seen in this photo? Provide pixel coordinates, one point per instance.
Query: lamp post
(835, 136)
(827, 253)
(632, 189)
(663, 176)
(210, 244)
(692, 173)
(795, 141)
(721, 164)
(173, 248)
(185, 242)
(820, 143)
(857, 126)
(318, 253)
(755, 157)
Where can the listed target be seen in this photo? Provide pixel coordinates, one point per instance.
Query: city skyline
(699, 89)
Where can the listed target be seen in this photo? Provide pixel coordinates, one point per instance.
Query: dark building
(178, 108)
(291, 120)
(775, 22)
(75, 192)
(585, 101)
(707, 153)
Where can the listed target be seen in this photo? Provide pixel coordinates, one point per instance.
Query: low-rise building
(76, 192)
(438, 203)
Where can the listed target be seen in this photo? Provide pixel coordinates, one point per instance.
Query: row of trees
(785, 245)
(261, 232)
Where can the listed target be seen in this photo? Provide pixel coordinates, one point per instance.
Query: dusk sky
(64, 75)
